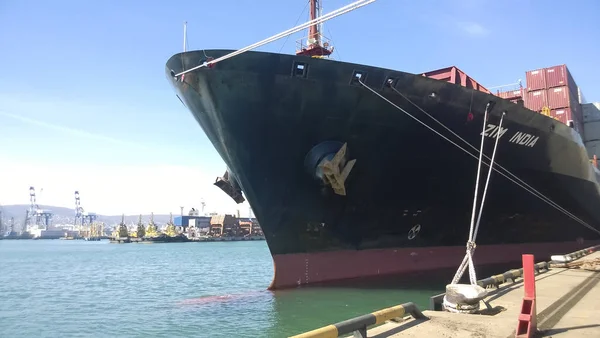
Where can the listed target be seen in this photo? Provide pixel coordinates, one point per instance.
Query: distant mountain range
(67, 216)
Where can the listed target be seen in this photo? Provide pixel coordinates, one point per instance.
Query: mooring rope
(321, 19)
(531, 191)
(474, 229)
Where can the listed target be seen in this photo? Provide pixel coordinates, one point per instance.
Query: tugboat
(151, 230)
(170, 235)
(121, 234)
(140, 231)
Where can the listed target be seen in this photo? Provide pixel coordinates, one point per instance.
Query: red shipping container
(536, 100)
(516, 101)
(558, 76)
(456, 76)
(511, 94)
(563, 115)
(535, 79)
(559, 97)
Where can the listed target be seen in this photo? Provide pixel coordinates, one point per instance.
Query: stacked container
(456, 76)
(554, 88)
(514, 96)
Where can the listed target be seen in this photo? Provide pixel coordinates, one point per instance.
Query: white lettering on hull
(524, 139)
(520, 138)
(493, 131)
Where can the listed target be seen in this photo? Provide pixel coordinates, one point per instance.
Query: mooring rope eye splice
(459, 294)
(474, 228)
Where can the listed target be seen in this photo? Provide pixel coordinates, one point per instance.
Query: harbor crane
(36, 218)
(78, 210)
(82, 218)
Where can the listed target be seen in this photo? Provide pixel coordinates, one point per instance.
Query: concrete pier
(567, 306)
(567, 302)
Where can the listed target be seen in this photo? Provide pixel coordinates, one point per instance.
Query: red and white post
(527, 325)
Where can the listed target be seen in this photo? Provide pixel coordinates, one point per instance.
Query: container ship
(354, 170)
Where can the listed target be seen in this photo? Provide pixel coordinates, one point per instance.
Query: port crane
(81, 215)
(84, 221)
(78, 210)
(35, 217)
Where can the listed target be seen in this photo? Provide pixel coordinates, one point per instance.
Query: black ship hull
(410, 192)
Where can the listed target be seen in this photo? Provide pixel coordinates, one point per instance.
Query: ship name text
(520, 138)
(493, 131)
(524, 139)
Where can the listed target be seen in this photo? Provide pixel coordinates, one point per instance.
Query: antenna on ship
(185, 36)
(316, 44)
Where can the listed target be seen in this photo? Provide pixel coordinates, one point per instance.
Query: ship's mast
(315, 46)
(314, 30)
(185, 36)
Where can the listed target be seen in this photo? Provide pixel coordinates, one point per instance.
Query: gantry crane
(83, 219)
(36, 218)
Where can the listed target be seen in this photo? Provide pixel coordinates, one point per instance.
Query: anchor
(229, 184)
(336, 170)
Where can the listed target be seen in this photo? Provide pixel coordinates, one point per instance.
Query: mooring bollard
(463, 298)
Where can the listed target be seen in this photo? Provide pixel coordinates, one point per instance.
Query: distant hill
(67, 215)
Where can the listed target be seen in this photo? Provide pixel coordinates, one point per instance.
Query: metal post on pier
(527, 325)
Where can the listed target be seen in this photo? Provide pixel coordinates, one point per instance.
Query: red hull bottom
(293, 270)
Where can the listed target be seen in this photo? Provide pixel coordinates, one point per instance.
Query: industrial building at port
(38, 224)
(218, 225)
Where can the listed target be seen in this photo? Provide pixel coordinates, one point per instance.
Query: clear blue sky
(83, 81)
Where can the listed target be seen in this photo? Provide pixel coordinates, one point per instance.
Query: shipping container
(592, 131)
(558, 76)
(535, 79)
(519, 101)
(591, 112)
(536, 100)
(456, 76)
(563, 115)
(567, 116)
(511, 94)
(560, 97)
